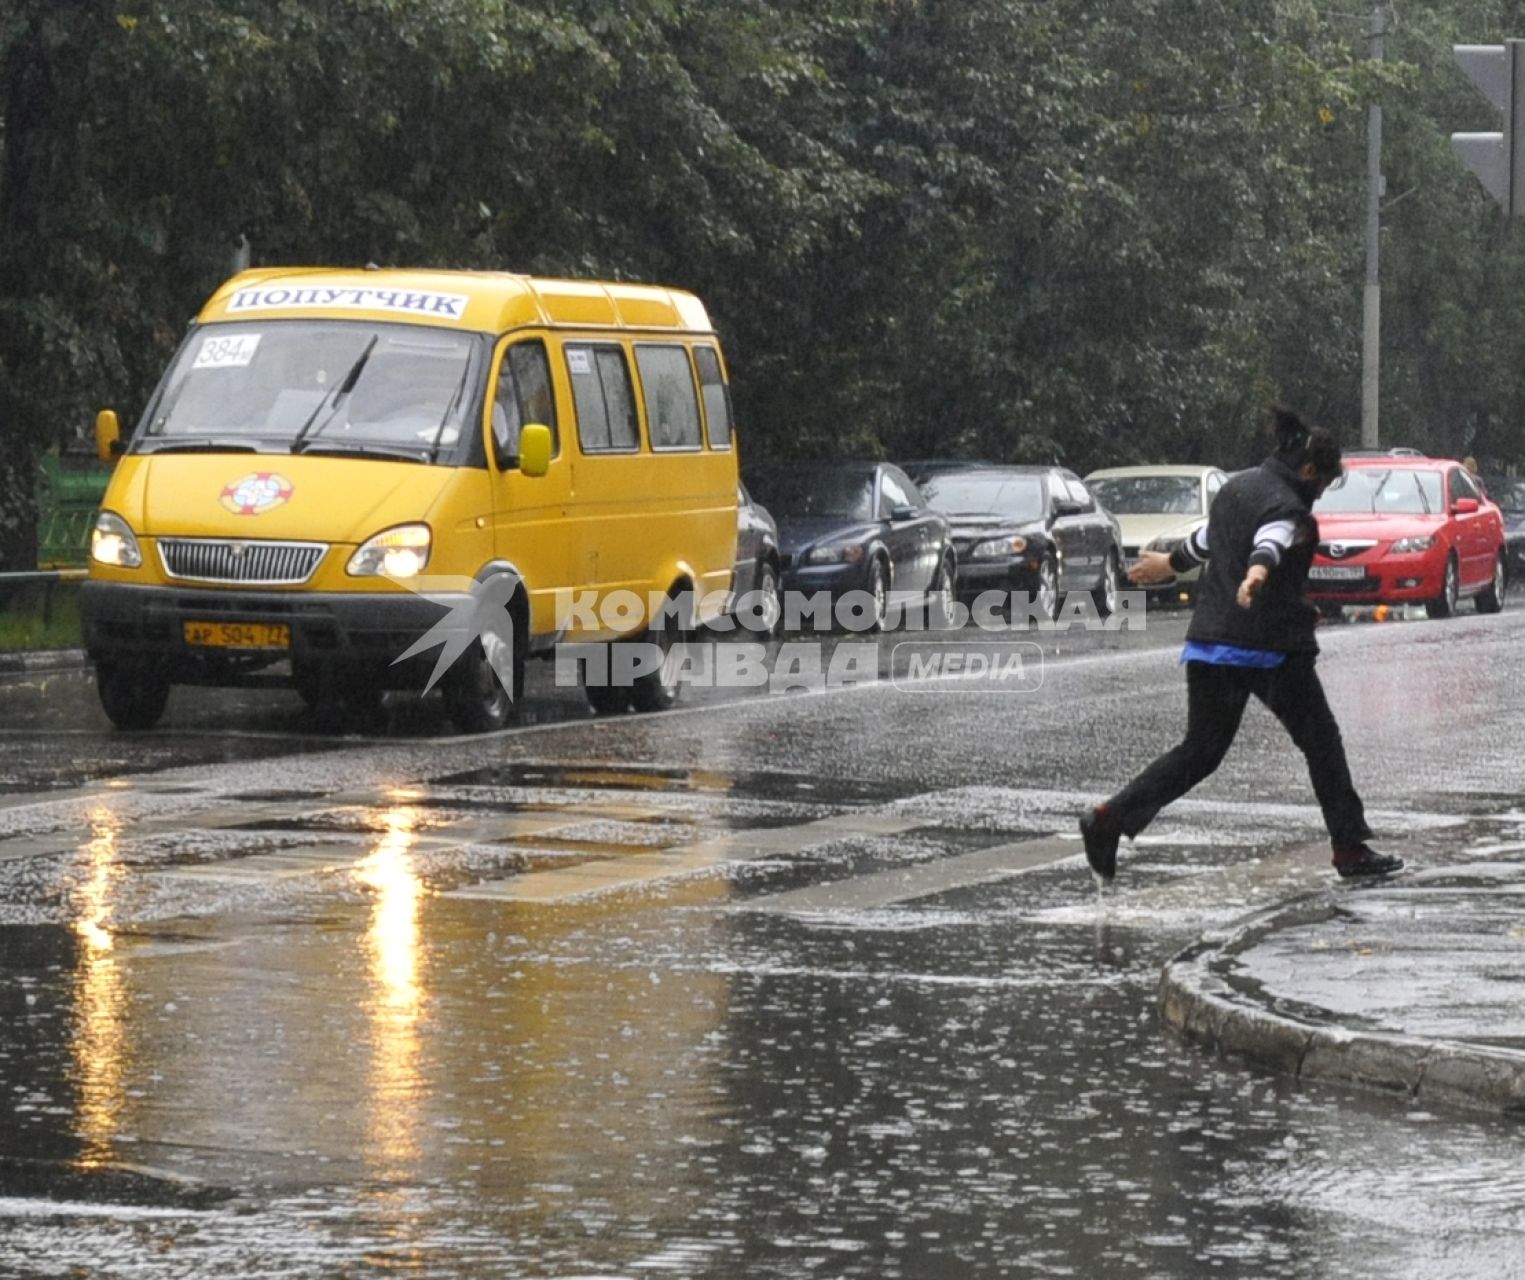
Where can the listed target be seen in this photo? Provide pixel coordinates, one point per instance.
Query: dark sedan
(755, 582)
(1032, 529)
(1509, 493)
(857, 526)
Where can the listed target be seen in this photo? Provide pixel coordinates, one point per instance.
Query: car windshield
(1508, 492)
(964, 493)
(1149, 495)
(1383, 491)
(315, 384)
(846, 494)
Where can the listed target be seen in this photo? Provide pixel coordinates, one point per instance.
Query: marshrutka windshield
(303, 385)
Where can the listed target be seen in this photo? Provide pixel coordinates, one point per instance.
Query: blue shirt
(1229, 655)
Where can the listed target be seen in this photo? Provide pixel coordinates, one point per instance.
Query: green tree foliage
(1023, 229)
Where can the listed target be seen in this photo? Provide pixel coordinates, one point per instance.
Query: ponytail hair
(1299, 443)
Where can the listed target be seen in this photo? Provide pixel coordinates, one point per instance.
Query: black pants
(1215, 701)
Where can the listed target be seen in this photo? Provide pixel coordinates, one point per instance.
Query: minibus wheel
(658, 690)
(133, 694)
(474, 696)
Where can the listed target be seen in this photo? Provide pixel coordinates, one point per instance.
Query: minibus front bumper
(217, 636)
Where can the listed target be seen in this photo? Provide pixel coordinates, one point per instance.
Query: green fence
(69, 491)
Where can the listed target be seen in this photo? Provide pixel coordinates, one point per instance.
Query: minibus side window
(716, 396)
(524, 395)
(603, 398)
(667, 383)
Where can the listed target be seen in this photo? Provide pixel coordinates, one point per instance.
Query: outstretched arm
(1271, 540)
(1156, 566)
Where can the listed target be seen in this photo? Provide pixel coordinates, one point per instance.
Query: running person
(1251, 633)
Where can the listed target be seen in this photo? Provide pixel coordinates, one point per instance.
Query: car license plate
(239, 635)
(1337, 572)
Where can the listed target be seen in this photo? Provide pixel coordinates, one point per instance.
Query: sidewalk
(1411, 985)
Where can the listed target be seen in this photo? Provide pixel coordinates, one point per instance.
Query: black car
(857, 526)
(1509, 493)
(755, 582)
(1033, 529)
(921, 469)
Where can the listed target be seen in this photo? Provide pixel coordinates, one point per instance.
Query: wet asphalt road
(728, 992)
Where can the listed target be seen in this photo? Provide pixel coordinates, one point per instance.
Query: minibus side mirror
(534, 449)
(108, 436)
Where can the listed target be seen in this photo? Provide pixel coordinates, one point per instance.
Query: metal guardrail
(69, 492)
(44, 575)
(49, 579)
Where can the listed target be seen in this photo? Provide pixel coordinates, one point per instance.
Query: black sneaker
(1362, 860)
(1100, 833)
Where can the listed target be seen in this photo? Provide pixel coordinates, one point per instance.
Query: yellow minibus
(356, 480)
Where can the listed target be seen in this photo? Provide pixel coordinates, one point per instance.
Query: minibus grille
(233, 560)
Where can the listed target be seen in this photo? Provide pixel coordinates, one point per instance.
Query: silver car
(1157, 509)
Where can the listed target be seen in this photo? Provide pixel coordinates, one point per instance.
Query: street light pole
(1371, 334)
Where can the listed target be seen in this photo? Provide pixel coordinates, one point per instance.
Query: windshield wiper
(371, 450)
(315, 427)
(439, 432)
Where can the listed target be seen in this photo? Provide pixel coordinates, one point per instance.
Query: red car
(1408, 530)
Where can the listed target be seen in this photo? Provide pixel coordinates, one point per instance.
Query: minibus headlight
(402, 552)
(112, 542)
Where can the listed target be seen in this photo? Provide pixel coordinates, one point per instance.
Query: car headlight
(997, 548)
(836, 553)
(1421, 543)
(113, 542)
(402, 552)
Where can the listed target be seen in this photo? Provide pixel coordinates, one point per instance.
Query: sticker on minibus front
(266, 298)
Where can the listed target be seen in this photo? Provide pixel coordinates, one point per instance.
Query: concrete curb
(1201, 1001)
(12, 664)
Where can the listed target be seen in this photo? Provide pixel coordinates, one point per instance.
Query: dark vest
(1281, 617)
